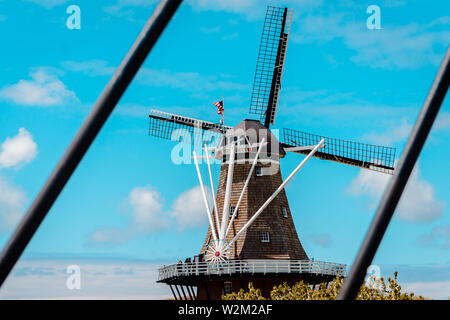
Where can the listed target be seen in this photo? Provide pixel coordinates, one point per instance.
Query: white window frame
(232, 211)
(284, 211)
(259, 171)
(228, 284)
(263, 238)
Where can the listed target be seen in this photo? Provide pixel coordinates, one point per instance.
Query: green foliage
(375, 289)
(251, 294)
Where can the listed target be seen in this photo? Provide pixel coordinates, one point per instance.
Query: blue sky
(127, 202)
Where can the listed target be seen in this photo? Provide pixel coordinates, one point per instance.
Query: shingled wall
(284, 242)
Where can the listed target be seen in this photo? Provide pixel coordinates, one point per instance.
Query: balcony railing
(252, 267)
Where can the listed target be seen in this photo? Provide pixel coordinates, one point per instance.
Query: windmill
(251, 235)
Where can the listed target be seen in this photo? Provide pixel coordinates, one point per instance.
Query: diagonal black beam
(174, 295)
(179, 295)
(188, 289)
(398, 182)
(184, 294)
(87, 133)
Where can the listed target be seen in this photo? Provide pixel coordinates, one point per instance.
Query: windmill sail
(175, 127)
(269, 66)
(372, 157)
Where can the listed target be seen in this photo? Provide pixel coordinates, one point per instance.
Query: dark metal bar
(184, 294)
(189, 292)
(174, 295)
(398, 182)
(193, 293)
(176, 288)
(87, 133)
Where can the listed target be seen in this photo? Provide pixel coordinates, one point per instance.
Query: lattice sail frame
(193, 131)
(272, 51)
(372, 157)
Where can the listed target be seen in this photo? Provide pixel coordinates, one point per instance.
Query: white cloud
(210, 30)
(417, 204)
(18, 150)
(442, 122)
(132, 110)
(146, 215)
(323, 240)
(187, 80)
(146, 204)
(433, 290)
(110, 236)
(393, 135)
(121, 8)
(48, 4)
(100, 279)
(324, 105)
(90, 67)
(125, 279)
(14, 152)
(230, 36)
(439, 236)
(188, 210)
(394, 3)
(119, 4)
(45, 89)
(136, 2)
(184, 80)
(398, 132)
(12, 205)
(408, 46)
(249, 8)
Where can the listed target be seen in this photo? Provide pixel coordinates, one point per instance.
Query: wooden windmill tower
(251, 235)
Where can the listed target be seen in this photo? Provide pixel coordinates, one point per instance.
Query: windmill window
(227, 287)
(264, 236)
(284, 211)
(258, 171)
(243, 141)
(232, 209)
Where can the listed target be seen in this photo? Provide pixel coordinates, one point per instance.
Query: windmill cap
(255, 132)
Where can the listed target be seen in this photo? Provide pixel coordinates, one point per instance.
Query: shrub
(374, 289)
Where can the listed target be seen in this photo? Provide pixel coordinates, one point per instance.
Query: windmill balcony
(173, 273)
